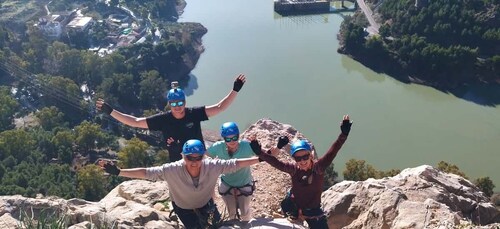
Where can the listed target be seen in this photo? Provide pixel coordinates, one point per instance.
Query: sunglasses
(234, 138)
(302, 158)
(191, 158)
(177, 104)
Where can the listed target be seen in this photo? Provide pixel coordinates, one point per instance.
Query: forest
(440, 43)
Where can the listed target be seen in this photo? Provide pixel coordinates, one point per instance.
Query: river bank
(416, 56)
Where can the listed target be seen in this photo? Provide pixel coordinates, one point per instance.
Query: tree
(358, 170)
(89, 136)
(2, 171)
(134, 154)
(390, 173)
(91, 183)
(17, 143)
(50, 117)
(486, 185)
(161, 157)
(63, 93)
(152, 88)
(330, 177)
(63, 144)
(63, 139)
(451, 168)
(8, 107)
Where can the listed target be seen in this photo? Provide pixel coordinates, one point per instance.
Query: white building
(79, 23)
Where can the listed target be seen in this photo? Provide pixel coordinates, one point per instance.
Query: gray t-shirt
(181, 187)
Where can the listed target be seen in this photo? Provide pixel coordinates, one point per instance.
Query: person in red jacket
(304, 199)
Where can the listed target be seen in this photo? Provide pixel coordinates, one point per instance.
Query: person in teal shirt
(236, 188)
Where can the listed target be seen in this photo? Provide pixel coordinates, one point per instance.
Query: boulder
(421, 197)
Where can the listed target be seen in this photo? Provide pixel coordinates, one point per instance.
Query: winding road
(374, 26)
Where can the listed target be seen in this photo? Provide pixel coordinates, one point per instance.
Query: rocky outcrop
(129, 205)
(421, 197)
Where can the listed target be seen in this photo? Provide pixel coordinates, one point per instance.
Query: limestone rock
(421, 197)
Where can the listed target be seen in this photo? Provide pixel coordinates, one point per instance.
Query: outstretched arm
(228, 100)
(244, 162)
(126, 119)
(345, 128)
(112, 169)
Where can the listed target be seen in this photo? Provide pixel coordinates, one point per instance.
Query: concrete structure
(289, 7)
(52, 25)
(301, 6)
(80, 23)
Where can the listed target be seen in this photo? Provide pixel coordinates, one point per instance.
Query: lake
(295, 75)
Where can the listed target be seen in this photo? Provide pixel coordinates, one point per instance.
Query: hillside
(441, 43)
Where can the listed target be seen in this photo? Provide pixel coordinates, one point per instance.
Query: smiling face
(303, 159)
(232, 142)
(193, 160)
(177, 107)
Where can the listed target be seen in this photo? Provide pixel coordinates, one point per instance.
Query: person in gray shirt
(191, 182)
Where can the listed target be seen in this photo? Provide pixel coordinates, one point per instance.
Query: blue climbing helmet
(175, 94)
(193, 146)
(299, 145)
(228, 129)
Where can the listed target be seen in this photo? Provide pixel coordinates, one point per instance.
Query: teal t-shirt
(242, 176)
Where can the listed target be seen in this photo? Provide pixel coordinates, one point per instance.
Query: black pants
(200, 218)
(319, 223)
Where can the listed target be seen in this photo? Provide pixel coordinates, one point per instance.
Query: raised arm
(228, 100)
(345, 128)
(126, 119)
(267, 157)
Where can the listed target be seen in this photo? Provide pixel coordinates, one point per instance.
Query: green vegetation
(483, 183)
(330, 177)
(359, 170)
(56, 155)
(445, 43)
(486, 185)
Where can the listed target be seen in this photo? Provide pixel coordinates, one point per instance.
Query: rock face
(129, 205)
(421, 197)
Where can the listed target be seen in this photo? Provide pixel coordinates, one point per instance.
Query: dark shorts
(205, 217)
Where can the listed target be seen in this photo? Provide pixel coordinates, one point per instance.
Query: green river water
(295, 76)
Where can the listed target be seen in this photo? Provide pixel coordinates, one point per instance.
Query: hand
(254, 144)
(103, 106)
(238, 82)
(282, 141)
(110, 168)
(346, 124)
(170, 140)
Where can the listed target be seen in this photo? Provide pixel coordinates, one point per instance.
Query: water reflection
(351, 65)
(482, 94)
(192, 85)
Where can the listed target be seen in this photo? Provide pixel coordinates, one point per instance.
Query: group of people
(194, 170)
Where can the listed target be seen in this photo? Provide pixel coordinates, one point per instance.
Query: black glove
(346, 127)
(111, 169)
(254, 144)
(238, 84)
(106, 108)
(282, 141)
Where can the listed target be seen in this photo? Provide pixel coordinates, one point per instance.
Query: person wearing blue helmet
(180, 123)
(304, 198)
(191, 182)
(236, 188)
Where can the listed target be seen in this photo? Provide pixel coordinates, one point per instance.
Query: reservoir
(295, 76)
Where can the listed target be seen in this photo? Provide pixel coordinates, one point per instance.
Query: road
(374, 26)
